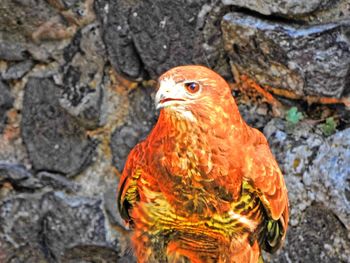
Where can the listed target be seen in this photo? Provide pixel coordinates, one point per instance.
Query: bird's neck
(201, 120)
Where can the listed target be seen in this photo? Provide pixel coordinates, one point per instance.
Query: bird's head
(187, 89)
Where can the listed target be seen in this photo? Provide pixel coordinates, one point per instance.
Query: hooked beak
(167, 95)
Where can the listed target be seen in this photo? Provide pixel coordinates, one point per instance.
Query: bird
(203, 186)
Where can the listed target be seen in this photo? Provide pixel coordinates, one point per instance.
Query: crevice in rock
(272, 18)
(49, 254)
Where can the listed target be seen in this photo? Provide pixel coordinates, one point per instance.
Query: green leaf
(293, 115)
(329, 127)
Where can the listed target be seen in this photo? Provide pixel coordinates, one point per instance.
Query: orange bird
(203, 186)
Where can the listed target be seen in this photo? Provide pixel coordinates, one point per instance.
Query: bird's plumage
(203, 186)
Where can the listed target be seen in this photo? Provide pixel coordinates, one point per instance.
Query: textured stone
(209, 45)
(83, 76)
(156, 27)
(19, 178)
(18, 19)
(294, 148)
(252, 117)
(117, 37)
(17, 70)
(313, 11)
(315, 169)
(329, 176)
(90, 253)
(12, 51)
(40, 29)
(56, 181)
(54, 139)
(111, 208)
(141, 119)
(48, 227)
(23, 180)
(285, 7)
(319, 237)
(6, 101)
(156, 35)
(309, 60)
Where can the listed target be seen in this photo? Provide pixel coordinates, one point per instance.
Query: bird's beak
(168, 94)
(160, 97)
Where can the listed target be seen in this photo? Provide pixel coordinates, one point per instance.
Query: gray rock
(122, 53)
(280, 7)
(313, 11)
(12, 51)
(20, 178)
(309, 60)
(315, 170)
(295, 147)
(83, 92)
(20, 17)
(6, 101)
(320, 237)
(23, 180)
(156, 35)
(17, 71)
(52, 226)
(209, 46)
(141, 120)
(90, 253)
(111, 208)
(54, 139)
(67, 221)
(329, 175)
(57, 182)
(252, 117)
(13, 172)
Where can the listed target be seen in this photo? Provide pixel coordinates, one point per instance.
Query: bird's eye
(192, 87)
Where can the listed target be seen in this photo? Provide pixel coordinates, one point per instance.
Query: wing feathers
(128, 193)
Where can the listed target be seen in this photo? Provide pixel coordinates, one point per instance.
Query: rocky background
(76, 85)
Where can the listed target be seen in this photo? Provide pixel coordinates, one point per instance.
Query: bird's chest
(183, 176)
(188, 156)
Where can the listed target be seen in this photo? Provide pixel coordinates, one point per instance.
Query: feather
(203, 186)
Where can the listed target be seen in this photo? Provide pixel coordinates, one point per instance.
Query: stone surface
(143, 37)
(315, 170)
(18, 19)
(52, 226)
(6, 101)
(320, 237)
(90, 253)
(309, 60)
(295, 147)
(141, 119)
(281, 7)
(329, 176)
(83, 88)
(313, 11)
(54, 139)
(12, 51)
(19, 177)
(17, 70)
(122, 53)
(209, 46)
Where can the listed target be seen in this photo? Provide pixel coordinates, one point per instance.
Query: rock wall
(68, 119)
